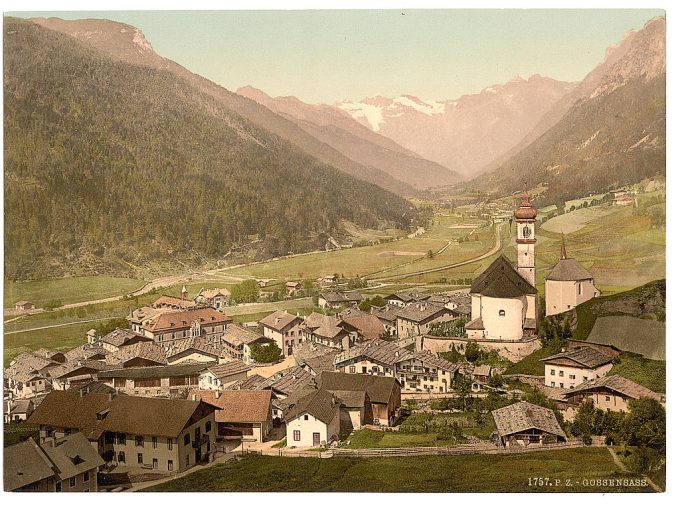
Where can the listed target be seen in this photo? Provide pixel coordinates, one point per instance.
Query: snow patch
(372, 114)
(426, 107)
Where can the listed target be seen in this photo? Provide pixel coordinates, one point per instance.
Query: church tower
(525, 216)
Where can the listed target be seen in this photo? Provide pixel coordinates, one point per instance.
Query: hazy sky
(325, 56)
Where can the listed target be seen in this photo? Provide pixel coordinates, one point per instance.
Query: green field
(68, 289)
(647, 372)
(469, 473)
(577, 219)
(641, 336)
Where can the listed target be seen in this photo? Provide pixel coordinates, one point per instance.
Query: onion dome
(525, 210)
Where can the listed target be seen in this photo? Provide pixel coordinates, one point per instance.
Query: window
(607, 398)
(552, 371)
(585, 378)
(169, 444)
(187, 439)
(208, 427)
(57, 487)
(140, 458)
(552, 384)
(67, 431)
(572, 376)
(139, 441)
(352, 369)
(72, 482)
(154, 442)
(296, 435)
(121, 457)
(562, 384)
(86, 476)
(561, 373)
(169, 465)
(121, 438)
(306, 417)
(187, 460)
(501, 313)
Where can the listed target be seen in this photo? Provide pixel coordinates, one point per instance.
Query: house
(388, 317)
(193, 349)
(326, 330)
(169, 381)
(314, 420)
(338, 299)
(168, 327)
(171, 302)
(51, 354)
(217, 298)
(243, 414)
(384, 392)
(68, 464)
(91, 336)
(132, 431)
(28, 375)
(568, 285)
(140, 354)
(217, 377)
(239, 341)
(417, 372)
(293, 287)
(119, 338)
(286, 382)
(525, 424)
(284, 329)
(481, 375)
(315, 358)
(406, 297)
(416, 319)
(18, 410)
(366, 326)
(568, 369)
(606, 349)
(609, 393)
(23, 305)
(72, 373)
(94, 352)
(252, 383)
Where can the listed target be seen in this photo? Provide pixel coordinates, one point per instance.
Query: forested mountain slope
(109, 164)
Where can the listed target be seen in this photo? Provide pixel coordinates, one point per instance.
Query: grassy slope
(647, 372)
(491, 473)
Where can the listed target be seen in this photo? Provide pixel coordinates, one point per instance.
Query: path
(623, 467)
(497, 247)
(58, 325)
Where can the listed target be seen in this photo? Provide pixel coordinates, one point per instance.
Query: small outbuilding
(525, 424)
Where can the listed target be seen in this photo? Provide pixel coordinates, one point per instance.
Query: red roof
(238, 406)
(183, 320)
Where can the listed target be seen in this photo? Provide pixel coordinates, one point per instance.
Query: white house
(569, 369)
(314, 420)
(568, 285)
(217, 377)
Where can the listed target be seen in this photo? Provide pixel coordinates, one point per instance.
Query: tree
(645, 424)
(496, 381)
(430, 254)
(265, 353)
(110, 325)
(247, 291)
(462, 386)
(472, 352)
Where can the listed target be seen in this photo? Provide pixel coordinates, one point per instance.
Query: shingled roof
(618, 384)
(379, 389)
(501, 280)
(587, 357)
(368, 326)
(236, 334)
(149, 351)
(25, 464)
(185, 318)
(381, 351)
(237, 406)
(225, 370)
(522, 416)
(320, 404)
(568, 269)
(341, 296)
(148, 372)
(420, 312)
(279, 320)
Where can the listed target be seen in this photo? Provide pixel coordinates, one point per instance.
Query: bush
(265, 353)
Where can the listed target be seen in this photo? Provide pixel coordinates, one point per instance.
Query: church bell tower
(525, 217)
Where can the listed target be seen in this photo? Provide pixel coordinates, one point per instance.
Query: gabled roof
(72, 455)
(184, 319)
(382, 351)
(238, 406)
(236, 334)
(419, 312)
(617, 384)
(24, 464)
(119, 336)
(228, 369)
(586, 357)
(341, 296)
(379, 389)
(86, 351)
(288, 380)
(324, 326)
(475, 324)
(85, 366)
(149, 351)
(408, 295)
(212, 293)
(148, 372)
(120, 414)
(255, 381)
(279, 320)
(501, 280)
(368, 326)
(568, 269)
(436, 361)
(193, 344)
(320, 404)
(171, 301)
(522, 416)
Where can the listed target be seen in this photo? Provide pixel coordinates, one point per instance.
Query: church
(504, 297)
(568, 285)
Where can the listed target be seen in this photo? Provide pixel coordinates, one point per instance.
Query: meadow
(641, 336)
(468, 473)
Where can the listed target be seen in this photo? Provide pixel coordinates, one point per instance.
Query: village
(183, 385)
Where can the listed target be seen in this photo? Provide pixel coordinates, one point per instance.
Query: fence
(447, 450)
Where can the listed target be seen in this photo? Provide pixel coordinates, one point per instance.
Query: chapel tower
(525, 216)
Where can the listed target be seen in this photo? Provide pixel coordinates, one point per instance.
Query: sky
(325, 56)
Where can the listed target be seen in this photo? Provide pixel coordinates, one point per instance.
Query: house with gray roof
(570, 368)
(609, 393)
(67, 464)
(313, 420)
(525, 424)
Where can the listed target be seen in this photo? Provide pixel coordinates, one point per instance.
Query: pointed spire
(563, 249)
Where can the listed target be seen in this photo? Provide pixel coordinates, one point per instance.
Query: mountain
(613, 134)
(467, 134)
(341, 131)
(127, 43)
(111, 166)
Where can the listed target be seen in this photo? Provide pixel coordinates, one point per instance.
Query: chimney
(82, 392)
(111, 395)
(194, 397)
(217, 394)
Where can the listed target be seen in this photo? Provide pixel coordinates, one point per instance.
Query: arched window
(501, 313)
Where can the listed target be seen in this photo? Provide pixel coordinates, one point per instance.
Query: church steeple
(525, 216)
